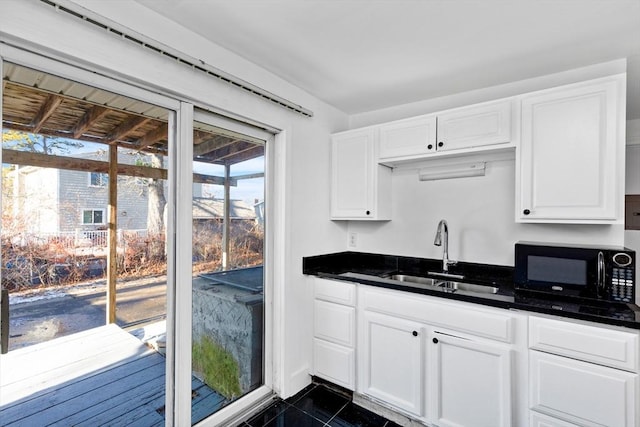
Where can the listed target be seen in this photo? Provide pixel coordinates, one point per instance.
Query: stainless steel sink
(414, 279)
(469, 287)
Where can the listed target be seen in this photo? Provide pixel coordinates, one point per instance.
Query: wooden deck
(103, 376)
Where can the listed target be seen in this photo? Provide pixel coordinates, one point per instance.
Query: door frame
(181, 115)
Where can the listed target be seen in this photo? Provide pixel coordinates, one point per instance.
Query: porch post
(112, 234)
(227, 211)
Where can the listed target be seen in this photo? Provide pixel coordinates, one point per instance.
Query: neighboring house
(55, 201)
(206, 209)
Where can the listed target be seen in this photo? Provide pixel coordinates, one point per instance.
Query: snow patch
(22, 298)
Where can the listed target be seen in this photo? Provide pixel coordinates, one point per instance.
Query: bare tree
(155, 217)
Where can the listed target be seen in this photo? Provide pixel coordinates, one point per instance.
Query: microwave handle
(601, 273)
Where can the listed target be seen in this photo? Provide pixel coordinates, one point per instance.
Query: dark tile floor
(317, 406)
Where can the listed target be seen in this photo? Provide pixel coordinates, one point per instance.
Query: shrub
(217, 366)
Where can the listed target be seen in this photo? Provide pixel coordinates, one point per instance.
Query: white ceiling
(363, 55)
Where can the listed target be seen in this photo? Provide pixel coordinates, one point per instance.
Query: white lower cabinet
(334, 332)
(583, 374)
(391, 363)
(417, 354)
(582, 393)
(469, 382)
(457, 364)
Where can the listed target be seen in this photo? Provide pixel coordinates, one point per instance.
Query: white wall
(480, 210)
(304, 152)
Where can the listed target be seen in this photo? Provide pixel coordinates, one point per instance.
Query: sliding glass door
(228, 257)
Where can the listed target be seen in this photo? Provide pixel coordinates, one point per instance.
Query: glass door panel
(83, 251)
(227, 261)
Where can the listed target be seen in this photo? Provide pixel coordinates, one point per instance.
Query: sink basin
(414, 279)
(470, 287)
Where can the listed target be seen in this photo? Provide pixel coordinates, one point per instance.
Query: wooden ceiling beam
(211, 145)
(46, 110)
(249, 154)
(25, 158)
(126, 127)
(222, 153)
(200, 136)
(153, 136)
(249, 176)
(91, 116)
(98, 140)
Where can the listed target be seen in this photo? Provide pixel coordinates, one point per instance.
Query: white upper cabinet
(570, 154)
(476, 126)
(456, 130)
(410, 137)
(360, 187)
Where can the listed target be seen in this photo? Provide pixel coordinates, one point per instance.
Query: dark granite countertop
(374, 269)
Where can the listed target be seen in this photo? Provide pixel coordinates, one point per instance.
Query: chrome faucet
(443, 228)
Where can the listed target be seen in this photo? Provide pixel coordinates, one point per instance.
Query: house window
(97, 179)
(93, 216)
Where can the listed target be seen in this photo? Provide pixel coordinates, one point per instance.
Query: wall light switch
(353, 240)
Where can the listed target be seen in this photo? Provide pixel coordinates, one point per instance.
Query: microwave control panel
(622, 284)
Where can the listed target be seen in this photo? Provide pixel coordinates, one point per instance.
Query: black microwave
(592, 272)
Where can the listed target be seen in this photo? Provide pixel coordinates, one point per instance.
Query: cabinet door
(582, 393)
(335, 363)
(486, 124)
(569, 153)
(360, 188)
(470, 382)
(411, 137)
(390, 361)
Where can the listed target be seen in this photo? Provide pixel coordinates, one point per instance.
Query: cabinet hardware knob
(440, 144)
(368, 212)
(435, 340)
(526, 211)
(430, 146)
(415, 333)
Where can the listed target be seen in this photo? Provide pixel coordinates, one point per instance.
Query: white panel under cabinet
(569, 153)
(334, 363)
(475, 126)
(410, 137)
(582, 393)
(540, 420)
(614, 348)
(360, 187)
(335, 323)
(470, 382)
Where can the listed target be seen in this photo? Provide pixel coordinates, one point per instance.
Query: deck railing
(86, 238)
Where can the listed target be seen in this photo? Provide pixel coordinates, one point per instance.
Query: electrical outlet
(353, 239)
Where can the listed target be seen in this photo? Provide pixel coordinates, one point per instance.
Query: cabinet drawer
(335, 323)
(335, 291)
(334, 363)
(460, 316)
(582, 393)
(618, 349)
